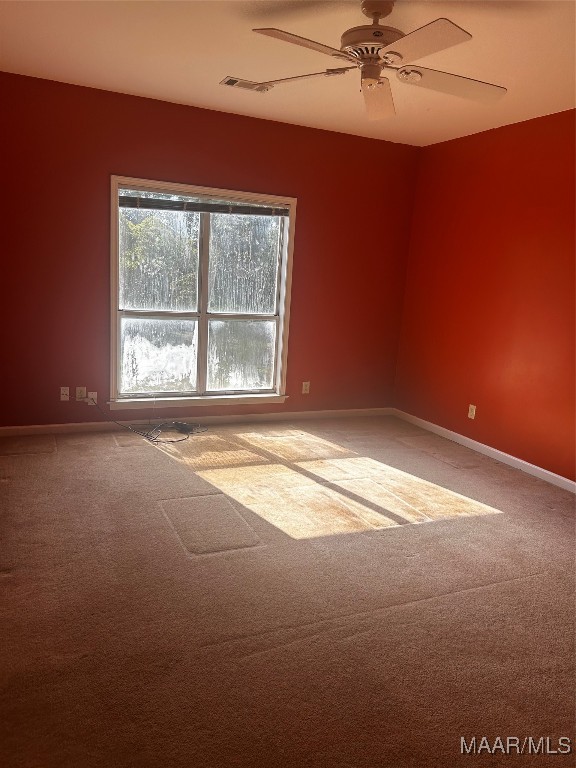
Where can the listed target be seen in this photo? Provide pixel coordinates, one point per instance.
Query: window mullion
(239, 316)
(283, 298)
(203, 302)
(154, 314)
(279, 267)
(276, 355)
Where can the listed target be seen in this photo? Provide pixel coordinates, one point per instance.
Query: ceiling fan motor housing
(366, 41)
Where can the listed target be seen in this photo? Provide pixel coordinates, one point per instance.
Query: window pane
(158, 259)
(244, 254)
(241, 354)
(157, 355)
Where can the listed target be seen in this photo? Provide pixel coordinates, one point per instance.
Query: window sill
(125, 404)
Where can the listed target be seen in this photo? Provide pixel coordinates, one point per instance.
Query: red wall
(64, 142)
(488, 314)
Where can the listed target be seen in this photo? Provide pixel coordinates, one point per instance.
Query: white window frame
(278, 392)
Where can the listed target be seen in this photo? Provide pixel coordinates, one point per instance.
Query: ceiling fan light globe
(371, 73)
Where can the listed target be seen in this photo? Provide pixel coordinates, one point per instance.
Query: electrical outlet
(80, 393)
(64, 393)
(92, 398)
(471, 411)
(305, 387)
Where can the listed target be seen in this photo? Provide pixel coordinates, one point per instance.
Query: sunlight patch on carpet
(294, 503)
(293, 444)
(314, 487)
(376, 482)
(210, 452)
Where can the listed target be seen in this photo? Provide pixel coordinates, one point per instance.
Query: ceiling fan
(375, 49)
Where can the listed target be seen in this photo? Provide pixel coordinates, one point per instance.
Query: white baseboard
(505, 458)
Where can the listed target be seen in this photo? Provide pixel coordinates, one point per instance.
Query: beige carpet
(351, 593)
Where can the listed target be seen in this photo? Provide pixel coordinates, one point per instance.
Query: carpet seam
(366, 613)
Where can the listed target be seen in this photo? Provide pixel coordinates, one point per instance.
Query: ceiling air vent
(248, 85)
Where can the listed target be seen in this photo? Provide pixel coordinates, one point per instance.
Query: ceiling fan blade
(267, 85)
(378, 99)
(288, 37)
(433, 37)
(455, 85)
(325, 73)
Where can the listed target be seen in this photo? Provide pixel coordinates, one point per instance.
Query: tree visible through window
(201, 299)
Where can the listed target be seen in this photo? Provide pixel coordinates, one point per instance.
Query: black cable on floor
(153, 434)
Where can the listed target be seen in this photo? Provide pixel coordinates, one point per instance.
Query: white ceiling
(180, 51)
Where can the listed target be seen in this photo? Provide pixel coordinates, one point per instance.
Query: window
(200, 294)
